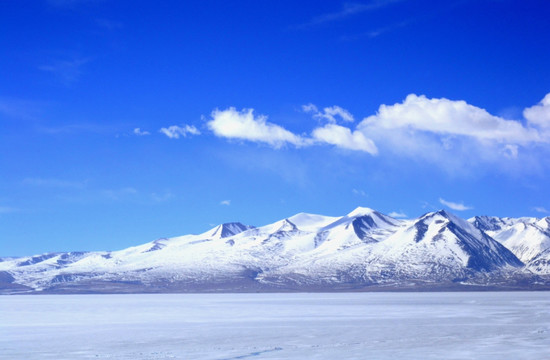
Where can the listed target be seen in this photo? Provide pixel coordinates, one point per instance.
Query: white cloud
(244, 125)
(344, 138)
(359, 192)
(541, 209)
(395, 214)
(162, 197)
(451, 134)
(174, 131)
(329, 113)
(55, 183)
(139, 132)
(67, 71)
(457, 136)
(118, 194)
(448, 117)
(454, 205)
(225, 202)
(539, 115)
(7, 210)
(510, 151)
(348, 9)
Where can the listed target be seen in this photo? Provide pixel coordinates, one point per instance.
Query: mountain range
(364, 250)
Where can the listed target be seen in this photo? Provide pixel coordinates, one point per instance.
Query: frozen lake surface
(466, 325)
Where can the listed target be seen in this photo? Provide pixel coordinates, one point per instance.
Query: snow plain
(461, 325)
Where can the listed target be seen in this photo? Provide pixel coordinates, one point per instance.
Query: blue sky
(125, 121)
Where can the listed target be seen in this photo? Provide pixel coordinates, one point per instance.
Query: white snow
(466, 325)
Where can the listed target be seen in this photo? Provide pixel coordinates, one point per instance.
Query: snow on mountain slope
(540, 264)
(437, 247)
(311, 222)
(525, 237)
(226, 230)
(361, 248)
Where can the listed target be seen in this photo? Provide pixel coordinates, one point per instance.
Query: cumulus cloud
(244, 125)
(174, 131)
(454, 205)
(139, 132)
(344, 138)
(539, 115)
(448, 117)
(451, 134)
(225, 202)
(329, 113)
(457, 136)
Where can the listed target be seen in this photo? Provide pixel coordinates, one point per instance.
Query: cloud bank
(455, 135)
(451, 134)
(245, 125)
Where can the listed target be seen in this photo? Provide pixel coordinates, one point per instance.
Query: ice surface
(277, 326)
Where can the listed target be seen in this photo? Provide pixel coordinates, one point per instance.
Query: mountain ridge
(363, 250)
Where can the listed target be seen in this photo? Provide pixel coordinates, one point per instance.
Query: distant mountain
(527, 238)
(362, 251)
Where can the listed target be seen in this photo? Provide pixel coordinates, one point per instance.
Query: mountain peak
(360, 211)
(287, 225)
(229, 229)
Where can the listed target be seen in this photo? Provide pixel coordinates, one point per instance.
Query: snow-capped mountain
(361, 250)
(528, 238)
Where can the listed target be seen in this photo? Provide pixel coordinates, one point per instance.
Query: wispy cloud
(376, 32)
(55, 183)
(139, 132)
(347, 10)
(359, 192)
(175, 132)
(20, 108)
(118, 194)
(225, 202)
(77, 128)
(71, 3)
(66, 71)
(8, 210)
(331, 114)
(398, 214)
(541, 209)
(162, 197)
(454, 205)
(109, 24)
